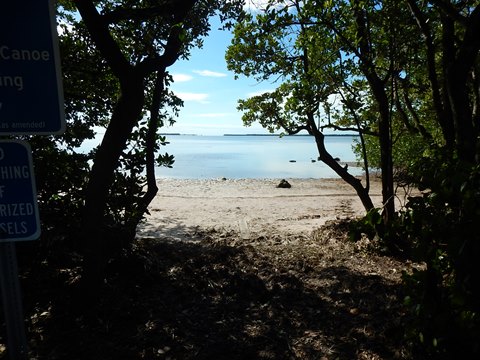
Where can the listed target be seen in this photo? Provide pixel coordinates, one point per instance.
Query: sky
(210, 92)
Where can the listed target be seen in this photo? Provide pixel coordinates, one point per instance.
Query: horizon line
(241, 134)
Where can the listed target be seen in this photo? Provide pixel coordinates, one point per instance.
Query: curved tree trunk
(150, 142)
(325, 156)
(127, 113)
(94, 232)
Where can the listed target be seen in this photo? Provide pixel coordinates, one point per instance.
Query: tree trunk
(126, 114)
(388, 191)
(440, 99)
(150, 142)
(367, 65)
(343, 172)
(465, 134)
(458, 71)
(385, 138)
(325, 156)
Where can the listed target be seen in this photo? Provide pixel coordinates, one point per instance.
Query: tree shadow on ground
(169, 227)
(205, 300)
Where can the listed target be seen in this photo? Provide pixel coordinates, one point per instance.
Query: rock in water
(284, 184)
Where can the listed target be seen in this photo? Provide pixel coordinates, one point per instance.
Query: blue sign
(31, 95)
(19, 219)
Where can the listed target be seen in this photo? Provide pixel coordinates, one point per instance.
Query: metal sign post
(12, 302)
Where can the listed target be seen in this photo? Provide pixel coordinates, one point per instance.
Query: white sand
(251, 207)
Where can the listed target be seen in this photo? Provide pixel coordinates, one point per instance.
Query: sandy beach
(257, 270)
(251, 207)
(233, 269)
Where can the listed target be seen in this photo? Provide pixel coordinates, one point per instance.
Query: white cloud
(216, 129)
(258, 93)
(188, 96)
(181, 77)
(213, 115)
(209, 73)
(253, 5)
(257, 5)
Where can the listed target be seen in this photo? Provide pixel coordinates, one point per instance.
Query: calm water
(234, 157)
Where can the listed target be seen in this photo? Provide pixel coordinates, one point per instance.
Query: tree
(435, 99)
(61, 169)
(441, 225)
(434, 90)
(321, 50)
(136, 42)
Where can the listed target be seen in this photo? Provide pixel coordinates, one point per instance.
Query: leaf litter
(221, 296)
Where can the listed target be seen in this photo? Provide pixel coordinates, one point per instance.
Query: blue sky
(210, 92)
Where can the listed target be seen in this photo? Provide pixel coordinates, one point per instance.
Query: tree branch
(408, 103)
(470, 46)
(175, 9)
(440, 106)
(296, 130)
(101, 36)
(119, 14)
(348, 128)
(450, 10)
(150, 142)
(169, 56)
(403, 114)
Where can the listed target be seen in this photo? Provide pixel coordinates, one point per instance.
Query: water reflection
(253, 157)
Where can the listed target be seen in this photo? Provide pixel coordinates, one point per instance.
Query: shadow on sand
(205, 300)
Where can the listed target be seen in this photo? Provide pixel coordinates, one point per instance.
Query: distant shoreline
(276, 135)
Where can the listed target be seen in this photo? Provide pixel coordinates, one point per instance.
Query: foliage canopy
(405, 76)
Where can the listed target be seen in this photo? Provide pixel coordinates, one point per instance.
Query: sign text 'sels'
(31, 96)
(19, 218)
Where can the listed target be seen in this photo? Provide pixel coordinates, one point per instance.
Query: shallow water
(256, 157)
